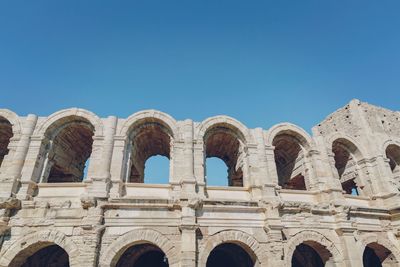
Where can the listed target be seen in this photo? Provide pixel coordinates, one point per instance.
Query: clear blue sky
(262, 62)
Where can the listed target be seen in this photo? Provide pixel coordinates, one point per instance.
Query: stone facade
(330, 199)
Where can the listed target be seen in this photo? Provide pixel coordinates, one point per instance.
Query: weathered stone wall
(288, 193)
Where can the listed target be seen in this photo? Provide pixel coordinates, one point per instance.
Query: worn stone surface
(331, 198)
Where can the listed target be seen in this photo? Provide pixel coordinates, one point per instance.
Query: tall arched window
(346, 165)
(5, 136)
(224, 143)
(69, 145)
(290, 164)
(148, 139)
(393, 154)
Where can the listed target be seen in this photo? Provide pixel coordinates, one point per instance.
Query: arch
(360, 152)
(148, 134)
(6, 133)
(35, 241)
(246, 241)
(309, 237)
(150, 115)
(226, 139)
(64, 116)
(236, 126)
(13, 118)
(291, 144)
(346, 159)
(366, 239)
(290, 129)
(67, 143)
(139, 236)
(393, 154)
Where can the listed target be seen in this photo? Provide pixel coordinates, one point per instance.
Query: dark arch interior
(221, 142)
(229, 255)
(393, 154)
(5, 136)
(346, 166)
(148, 139)
(289, 159)
(375, 254)
(71, 149)
(50, 256)
(143, 255)
(310, 254)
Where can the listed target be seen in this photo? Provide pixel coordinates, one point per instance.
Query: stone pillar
(258, 161)
(100, 161)
(351, 254)
(188, 180)
(188, 233)
(14, 168)
(119, 166)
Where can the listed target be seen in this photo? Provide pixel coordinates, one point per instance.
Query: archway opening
(346, 166)
(143, 255)
(49, 255)
(216, 168)
(222, 142)
(376, 255)
(289, 160)
(147, 140)
(310, 254)
(5, 135)
(69, 150)
(230, 254)
(156, 170)
(393, 154)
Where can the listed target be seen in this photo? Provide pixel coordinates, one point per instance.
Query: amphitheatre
(292, 199)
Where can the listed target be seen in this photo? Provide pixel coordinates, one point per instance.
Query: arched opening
(143, 255)
(50, 255)
(5, 135)
(216, 168)
(230, 254)
(156, 170)
(346, 165)
(376, 255)
(68, 151)
(289, 160)
(393, 154)
(147, 139)
(310, 254)
(223, 143)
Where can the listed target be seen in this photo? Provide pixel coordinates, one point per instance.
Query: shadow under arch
(31, 243)
(240, 240)
(115, 250)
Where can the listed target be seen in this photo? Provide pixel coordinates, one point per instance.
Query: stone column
(119, 167)
(14, 167)
(188, 180)
(100, 161)
(351, 254)
(188, 229)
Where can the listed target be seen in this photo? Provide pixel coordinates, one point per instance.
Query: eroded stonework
(330, 199)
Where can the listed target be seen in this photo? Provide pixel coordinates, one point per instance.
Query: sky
(261, 62)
